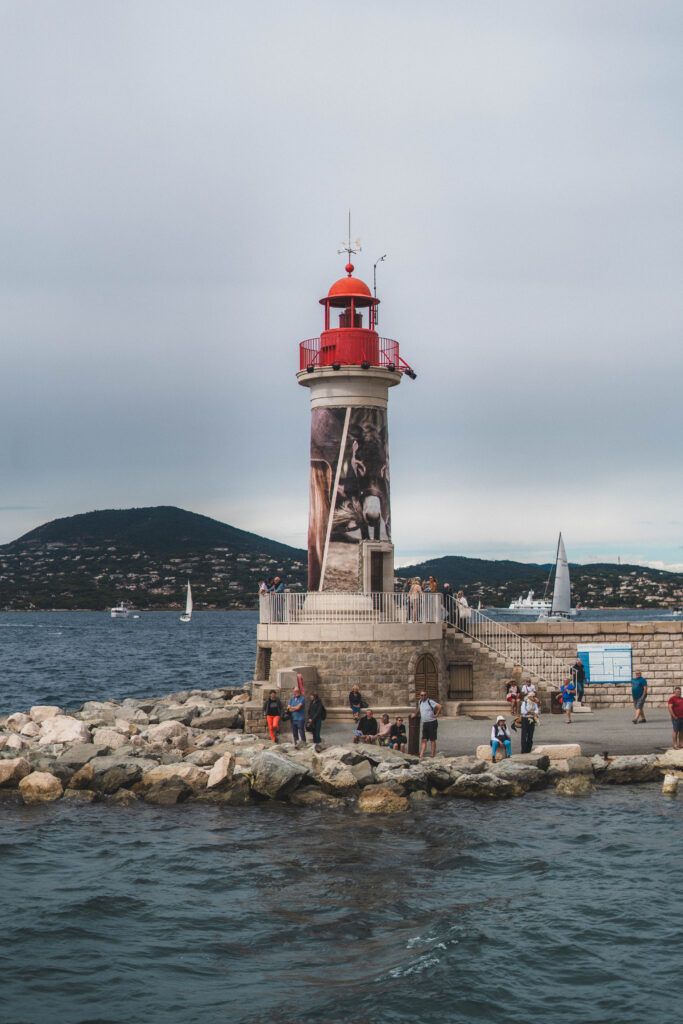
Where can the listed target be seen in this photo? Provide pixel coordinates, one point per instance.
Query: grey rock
(166, 795)
(183, 714)
(411, 776)
(225, 719)
(575, 785)
(78, 754)
(84, 796)
(274, 775)
(311, 796)
(466, 765)
(571, 766)
(111, 772)
(203, 758)
(631, 768)
(541, 761)
(525, 775)
(236, 794)
(485, 785)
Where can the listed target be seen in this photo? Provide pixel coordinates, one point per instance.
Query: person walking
(500, 737)
(578, 674)
(675, 706)
(639, 693)
(566, 698)
(429, 711)
(272, 712)
(530, 713)
(317, 713)
(297, 710)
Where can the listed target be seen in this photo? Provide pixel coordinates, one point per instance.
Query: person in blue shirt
(567, 695)
(639, 692)
(297, 711)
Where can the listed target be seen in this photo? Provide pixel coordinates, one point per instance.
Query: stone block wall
(384, 669)
(489, 676)
(657, 651)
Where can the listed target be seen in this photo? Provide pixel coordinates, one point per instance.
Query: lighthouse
(348, 371)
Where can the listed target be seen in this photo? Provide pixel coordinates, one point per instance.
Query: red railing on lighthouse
(351, 347)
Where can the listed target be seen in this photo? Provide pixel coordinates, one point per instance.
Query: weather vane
(346, 247)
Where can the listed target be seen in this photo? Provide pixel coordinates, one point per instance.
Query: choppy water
(543, 909)
(66, 658)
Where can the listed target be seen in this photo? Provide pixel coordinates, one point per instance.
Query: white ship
(528, 604)
(121, 611)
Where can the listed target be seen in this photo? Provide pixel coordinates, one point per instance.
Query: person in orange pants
(272, 712)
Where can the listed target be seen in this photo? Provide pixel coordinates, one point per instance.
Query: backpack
(323, 712)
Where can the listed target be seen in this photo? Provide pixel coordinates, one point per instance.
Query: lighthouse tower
(348, 371)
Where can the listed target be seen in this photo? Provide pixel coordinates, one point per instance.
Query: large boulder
(15, 742)
(275, 775)
(30, 730)
(41, 712)
(571, 766)
(169, 774)
(111, 772)
(168, 793)
(227, 718)
(236, 794)
(63, 729)
(40, 788)
(382, 800)
(464, 765)
(170, 734)
(203, 758)
(12, 771)
(485, 785)
(176, 713)
(221, 772)
(575, 785)
(558, 751)
(132, 714)
(17, 721)
(630, 768)
(83, 796)
(422, 775)
(312, 796)
(108, 737)
(671, 759)
(337, 777)
(525, 775)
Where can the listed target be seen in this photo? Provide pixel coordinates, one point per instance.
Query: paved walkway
(599, 731)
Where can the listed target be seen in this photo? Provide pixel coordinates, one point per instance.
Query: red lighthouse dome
(347, 288)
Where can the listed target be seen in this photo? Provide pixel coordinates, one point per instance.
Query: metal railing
(377, 351)
(504, 641)
(319, 607)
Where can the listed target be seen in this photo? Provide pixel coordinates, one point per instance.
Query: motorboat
(121, 611)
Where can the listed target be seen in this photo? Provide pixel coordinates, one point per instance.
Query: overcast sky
(174, 181)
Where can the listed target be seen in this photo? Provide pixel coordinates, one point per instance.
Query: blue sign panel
(606, 663)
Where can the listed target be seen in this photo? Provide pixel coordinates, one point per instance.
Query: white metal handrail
(331, 607)
(504, 641)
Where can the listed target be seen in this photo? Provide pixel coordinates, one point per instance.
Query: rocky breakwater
(190, 746)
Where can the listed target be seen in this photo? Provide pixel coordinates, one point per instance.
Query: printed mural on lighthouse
(349, 499)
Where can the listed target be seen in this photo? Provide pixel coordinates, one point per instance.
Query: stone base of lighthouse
(390, 662)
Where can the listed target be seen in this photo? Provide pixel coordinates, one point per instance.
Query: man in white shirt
(530, 712)
(429, 711)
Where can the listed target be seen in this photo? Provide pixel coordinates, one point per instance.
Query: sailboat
(187, 614)
(561, 606)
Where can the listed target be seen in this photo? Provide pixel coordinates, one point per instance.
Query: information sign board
(606, 663)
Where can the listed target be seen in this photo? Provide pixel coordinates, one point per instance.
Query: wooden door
(460, 681)
(427, 676)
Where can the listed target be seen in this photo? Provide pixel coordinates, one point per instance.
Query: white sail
(562, 598)
(188, 601)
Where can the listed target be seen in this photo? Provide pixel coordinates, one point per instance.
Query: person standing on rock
(639, 693)
(297, 711)
(317, 713)
(675, 705)
(429, 711)
(272, 712)
(530, 712)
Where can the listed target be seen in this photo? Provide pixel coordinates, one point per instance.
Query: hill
(145, 556)
(496, 583)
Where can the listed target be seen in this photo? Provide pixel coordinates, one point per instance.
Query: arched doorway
(427, 676)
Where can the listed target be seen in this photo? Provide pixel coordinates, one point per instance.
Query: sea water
(544, 909)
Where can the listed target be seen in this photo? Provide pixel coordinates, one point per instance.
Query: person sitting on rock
(500, 737)
(513, 696)
(397, 736)
(367, 728)
(383, 731)
(272, 712)
(356, 702)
